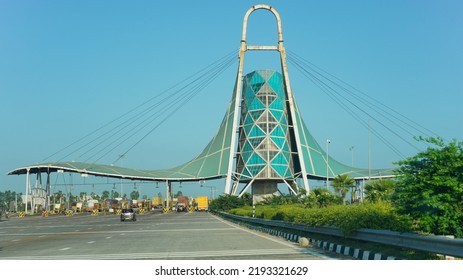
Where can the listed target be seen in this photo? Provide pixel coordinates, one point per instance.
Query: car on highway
(128, 214)
(180, 207)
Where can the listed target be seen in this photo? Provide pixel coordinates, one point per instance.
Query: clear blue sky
(66, 67)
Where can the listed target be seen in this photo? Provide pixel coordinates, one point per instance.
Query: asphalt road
(188, 236)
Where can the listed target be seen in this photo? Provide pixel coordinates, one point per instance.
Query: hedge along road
(195, 235)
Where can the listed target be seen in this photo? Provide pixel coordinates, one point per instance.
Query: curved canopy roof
(212, 162)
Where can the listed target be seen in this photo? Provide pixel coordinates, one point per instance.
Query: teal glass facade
(263, 146)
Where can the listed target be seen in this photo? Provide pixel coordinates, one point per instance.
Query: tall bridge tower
(269, 146)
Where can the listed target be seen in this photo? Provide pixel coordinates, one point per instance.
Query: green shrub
(245, 211)
(380, 215)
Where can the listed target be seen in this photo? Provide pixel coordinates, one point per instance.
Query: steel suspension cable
(177, 104)
(373, 103)
(334, 95)
(136, 112)
(145, 120)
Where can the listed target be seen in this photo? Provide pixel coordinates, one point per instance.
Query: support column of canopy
(292, 113)
(237, 99)
(168, 193)
(27, 188)
(48, 191)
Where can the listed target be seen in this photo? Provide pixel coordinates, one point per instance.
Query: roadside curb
(325, 245)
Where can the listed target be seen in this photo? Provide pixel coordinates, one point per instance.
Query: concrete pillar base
(263, 189)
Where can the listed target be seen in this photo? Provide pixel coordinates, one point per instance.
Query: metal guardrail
(433, 244)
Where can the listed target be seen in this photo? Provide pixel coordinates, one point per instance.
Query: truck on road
(182, 204)
(202, 203)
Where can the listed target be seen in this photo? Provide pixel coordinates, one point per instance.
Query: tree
(284, 199)
(8, 200)
(82, 196)
(321, 197)
(379, 190)
(247, 197)
(227, 202)
(134, 195)
(105, 195)
(341, 184)
(430, 187)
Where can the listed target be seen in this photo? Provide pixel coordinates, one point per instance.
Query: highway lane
(196, 235)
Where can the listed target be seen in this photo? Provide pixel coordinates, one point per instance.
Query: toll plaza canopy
(212, 162)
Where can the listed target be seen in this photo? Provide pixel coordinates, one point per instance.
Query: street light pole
(212, 191)
(121, 156)
(327, 162)
(352, 151)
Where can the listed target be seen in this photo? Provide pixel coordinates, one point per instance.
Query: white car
(128, 214)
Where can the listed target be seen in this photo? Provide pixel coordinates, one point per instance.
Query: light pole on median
(351, 148)
(328, 141)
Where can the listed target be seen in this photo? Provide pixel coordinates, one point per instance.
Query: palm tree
(341, 184)
(320, 197)
(379, 190)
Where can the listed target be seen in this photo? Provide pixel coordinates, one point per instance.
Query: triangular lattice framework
(263, 148)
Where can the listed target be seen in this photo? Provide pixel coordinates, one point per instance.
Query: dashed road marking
(64, 249)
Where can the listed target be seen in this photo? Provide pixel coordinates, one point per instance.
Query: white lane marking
(151, 255)
(90, 242)
(108, 237)
(64, 249)
(15, 240)
(121, 232)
